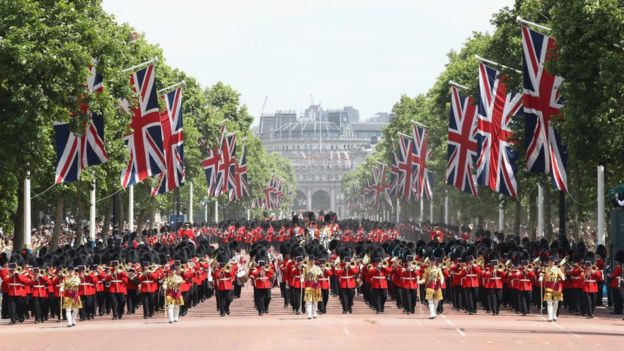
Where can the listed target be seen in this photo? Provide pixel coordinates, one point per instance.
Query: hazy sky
(364, 53)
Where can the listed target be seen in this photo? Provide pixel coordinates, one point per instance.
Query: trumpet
(352, 263)
(227, 268)
(328, 266)
(530, 266)
(500, 267)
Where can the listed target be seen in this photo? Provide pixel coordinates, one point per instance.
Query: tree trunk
(58, 223)
(18, 220)
(548, 233)
(108, 213)
(517, 215)
(532, 225)
(121, 215)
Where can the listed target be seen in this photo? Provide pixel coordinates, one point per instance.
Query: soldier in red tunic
(261, 276)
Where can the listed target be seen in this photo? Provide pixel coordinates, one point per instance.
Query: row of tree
(590, 35)
(45, 50)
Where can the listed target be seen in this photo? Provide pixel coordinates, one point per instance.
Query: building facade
(322, 146)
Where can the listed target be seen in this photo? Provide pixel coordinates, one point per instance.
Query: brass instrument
(352, 263)
(328, 266)
(530, 266)
(500, 267)
(227, 268)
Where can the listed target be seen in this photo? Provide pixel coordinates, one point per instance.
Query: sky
(361, 53)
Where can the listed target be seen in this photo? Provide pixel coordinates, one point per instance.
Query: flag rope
(43, 192)
(108, 196)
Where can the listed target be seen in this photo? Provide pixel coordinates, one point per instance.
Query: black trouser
(262, 298)
(54, 306)
(5, 306)
(409, 300)
(187, 303)
(440, 308)
(599, 294)
(494, 300)
(100, 298)
(149, 300)
(470, 295)
(457, 295)
(333, 281)
(588, 303)
(346, 298)
(322, 305)
(88, 306)
(40, 305)
(224, 298)
(524, 301)
(295, 298)
(132, 300)
(237, 289)
(617, 300)
(16, 308)
(285, 293)
(398, 296)
(379, 299)
(118, 303)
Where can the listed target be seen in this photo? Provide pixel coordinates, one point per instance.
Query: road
(204, 329)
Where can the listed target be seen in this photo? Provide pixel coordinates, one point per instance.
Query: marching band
(375, 264)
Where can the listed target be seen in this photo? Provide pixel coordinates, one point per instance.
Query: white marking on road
(557, 325)
(346, 330)
(461, 332)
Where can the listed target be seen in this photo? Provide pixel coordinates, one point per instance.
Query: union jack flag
(407, 167)
(394, 175)
(496, 163)
(240, 187)
(420, 156)
(210, 165)
(270, 193)
(227, 163)
(145, 144)
(462, 143)
(380, 186)
(542, 102)
(173, 139)
(75, 152)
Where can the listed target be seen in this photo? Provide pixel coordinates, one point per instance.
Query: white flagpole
(446, 210)
(398, 210)
(92, 213)
(601, 206)
(140, 65)
(216, 211)
(501, 214)
(248, 214)
(205, 213)
(190, 219)
(27, 224)
(131, 208)
(422, 210)
(528, 23)
(540, 211)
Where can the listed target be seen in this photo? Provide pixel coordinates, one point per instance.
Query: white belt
(116, 281)
(86, 284)
(15, 284)
(525, 280)
(147, 281)
(590, 281)
(493, 278)
(39, 286)
(379, 277)
(408, 278)
(346, 277)
(224, 279)
(323, 279)
(471, 275)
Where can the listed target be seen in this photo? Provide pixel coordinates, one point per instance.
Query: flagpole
(523, 21)
(422, 210)
(27, 224)
(216, 211)
(190, 219)
(455, 84)
(92, 214)
(172, 87)
(248, 214)
(446, 209)
(540, 211)
(501, 214)
(496, 64)
(131, 208)
(140, 65)
(601, 206)
(398, 211)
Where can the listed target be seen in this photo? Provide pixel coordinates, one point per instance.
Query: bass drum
(242, 277)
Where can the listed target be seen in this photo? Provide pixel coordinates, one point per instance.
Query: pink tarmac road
(204, 329)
